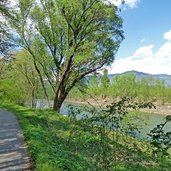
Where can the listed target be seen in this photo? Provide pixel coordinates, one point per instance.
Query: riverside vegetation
(146, 88)
(104, 141)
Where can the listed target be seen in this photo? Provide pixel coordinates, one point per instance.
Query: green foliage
(143, 89)
(109, 122)
(93, 84)
(67, 40)
(20, 82)
(91, 143)
(5, 43)
(4, 66)
(105, 81)
(125, 85)
(46, 135)
(160, 139)
(10, 92)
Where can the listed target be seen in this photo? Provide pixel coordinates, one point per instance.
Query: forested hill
(139, 75)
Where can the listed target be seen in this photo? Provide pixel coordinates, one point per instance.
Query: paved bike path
(13, 151)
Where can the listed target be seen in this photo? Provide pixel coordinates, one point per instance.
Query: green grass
(54, 146)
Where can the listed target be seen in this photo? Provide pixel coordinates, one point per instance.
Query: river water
(147, 121)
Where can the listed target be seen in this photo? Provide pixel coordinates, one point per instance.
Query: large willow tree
(68, 39)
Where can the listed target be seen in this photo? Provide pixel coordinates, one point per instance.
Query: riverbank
(161, 109)
(59, 143)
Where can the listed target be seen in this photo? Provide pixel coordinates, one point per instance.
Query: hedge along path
(13, 150)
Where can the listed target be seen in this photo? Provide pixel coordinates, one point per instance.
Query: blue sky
(147, 44)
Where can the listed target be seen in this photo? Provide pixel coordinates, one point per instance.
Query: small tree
(160, 139)
(27, 77)
(105, 82)
(125, 85)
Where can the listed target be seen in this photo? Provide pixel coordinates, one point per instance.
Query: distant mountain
(139, 75)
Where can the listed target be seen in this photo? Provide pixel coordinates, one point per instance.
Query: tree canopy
(67, 39)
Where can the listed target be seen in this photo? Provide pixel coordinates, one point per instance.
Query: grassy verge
(58, 144)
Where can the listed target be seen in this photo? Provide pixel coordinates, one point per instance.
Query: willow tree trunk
(59, 99)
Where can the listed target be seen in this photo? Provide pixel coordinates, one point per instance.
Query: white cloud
(146, 60)
(130, 3)
(143, 51)
(167, 35)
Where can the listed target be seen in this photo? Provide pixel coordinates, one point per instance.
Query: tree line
(146, 88)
